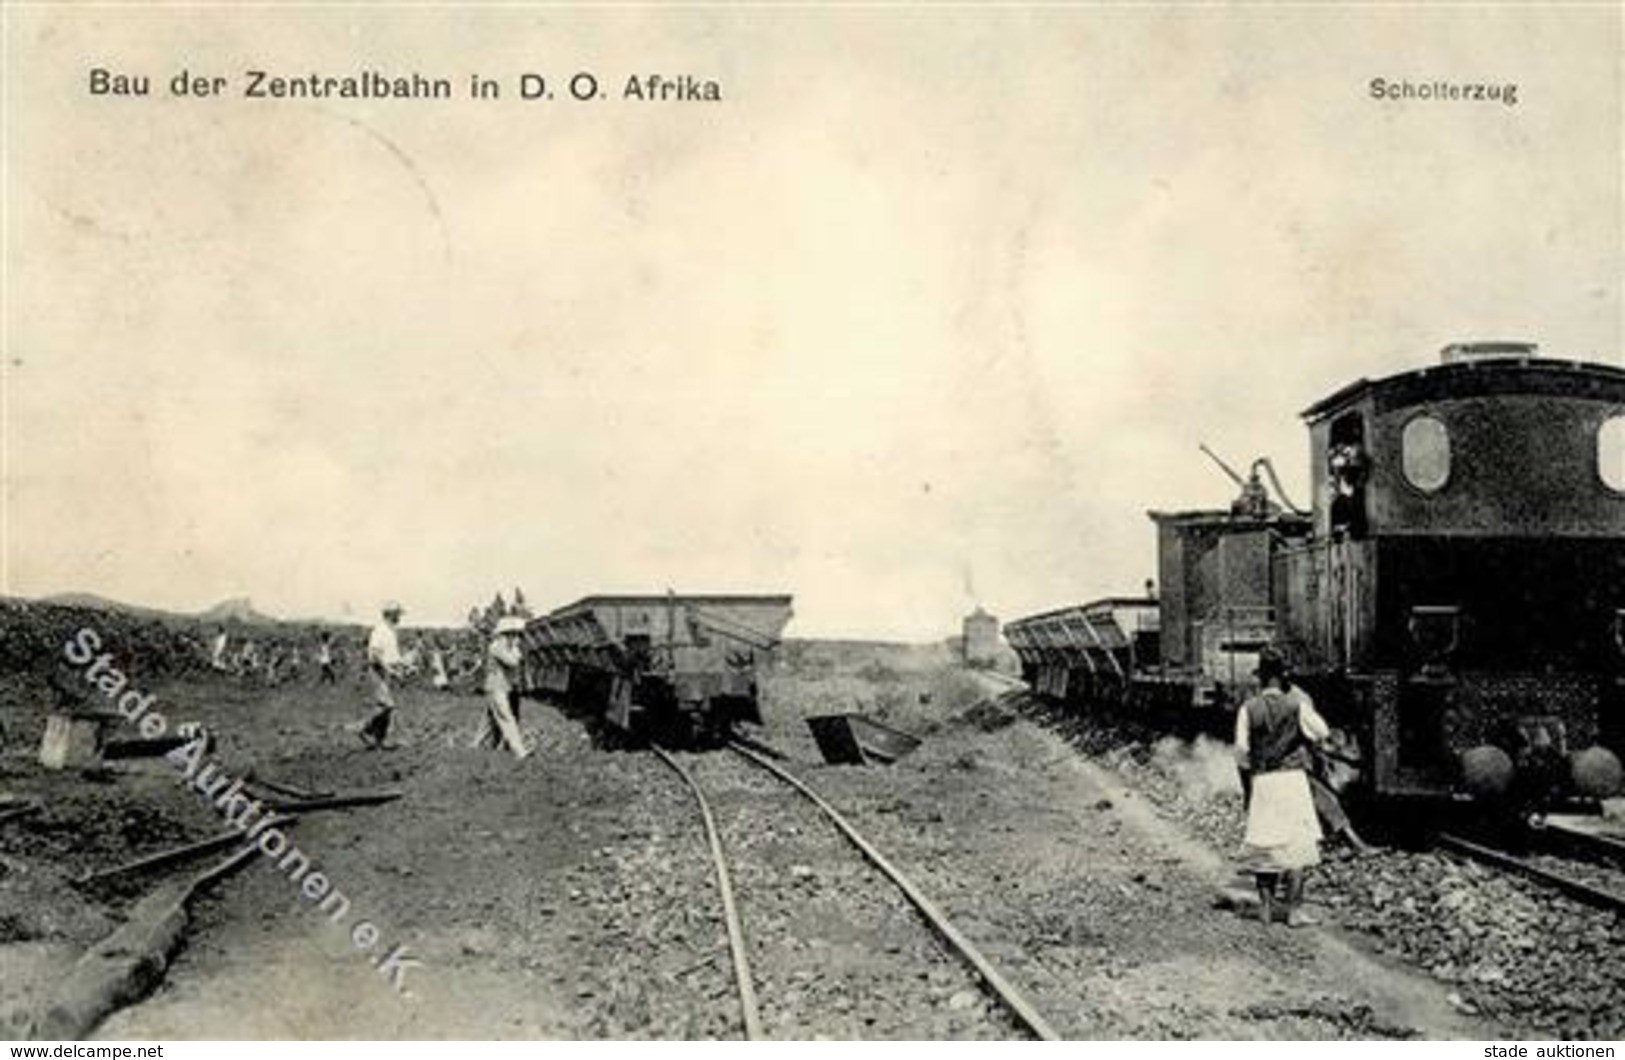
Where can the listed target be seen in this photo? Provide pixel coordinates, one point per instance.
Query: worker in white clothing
(386, 666)
(502, 662)
(437, 668)
(1274, 733)
(324, 659)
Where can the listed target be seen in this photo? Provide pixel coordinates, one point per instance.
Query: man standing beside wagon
(504, 658)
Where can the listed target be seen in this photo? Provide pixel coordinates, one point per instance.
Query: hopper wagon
(669, 667)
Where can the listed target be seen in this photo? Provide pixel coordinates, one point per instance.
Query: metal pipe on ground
(164, 858)
(127, 965)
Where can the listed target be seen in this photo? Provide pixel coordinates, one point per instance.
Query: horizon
(96, 601)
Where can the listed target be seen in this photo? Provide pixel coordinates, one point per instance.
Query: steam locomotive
(1454, 599)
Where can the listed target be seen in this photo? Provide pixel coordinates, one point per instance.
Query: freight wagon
(673, 668)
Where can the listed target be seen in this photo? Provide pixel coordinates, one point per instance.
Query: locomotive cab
(1458, 603)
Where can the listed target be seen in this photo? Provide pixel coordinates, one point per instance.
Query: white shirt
(384, 647)
(502, 665)
(1310, 723)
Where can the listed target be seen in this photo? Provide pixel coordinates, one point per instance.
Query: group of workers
(387, 666)
(274, 665)
(276, 662)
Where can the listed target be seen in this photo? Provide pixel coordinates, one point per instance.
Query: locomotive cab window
(1348, 467)
(1611, 452)
(1425, 453)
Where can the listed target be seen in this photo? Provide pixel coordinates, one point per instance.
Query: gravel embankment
(836, 949)
(1506, 948)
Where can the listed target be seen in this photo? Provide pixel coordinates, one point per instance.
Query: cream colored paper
(924, 312)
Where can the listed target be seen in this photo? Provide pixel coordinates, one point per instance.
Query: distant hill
(237, 609)
(102, 603)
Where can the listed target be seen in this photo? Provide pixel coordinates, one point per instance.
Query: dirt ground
(570, 895)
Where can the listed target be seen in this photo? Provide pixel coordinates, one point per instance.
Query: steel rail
(285, 790)
(334, 802)
(12, 813)
(1568, 885)
(174, 855)
(1576, 842)
(736, 933)
(1001, 987)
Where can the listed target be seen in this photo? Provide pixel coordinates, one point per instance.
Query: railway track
(989, 977)
(1562, 880)
(744, 984)
(1568, 837)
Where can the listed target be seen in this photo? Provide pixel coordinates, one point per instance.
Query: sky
(926, 313)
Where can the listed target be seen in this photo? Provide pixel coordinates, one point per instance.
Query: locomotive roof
(1479, 377)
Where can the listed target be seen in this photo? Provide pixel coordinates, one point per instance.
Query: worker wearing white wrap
(1274, 732)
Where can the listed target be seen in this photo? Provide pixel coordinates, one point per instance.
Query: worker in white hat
(386, 666)
(502, 673)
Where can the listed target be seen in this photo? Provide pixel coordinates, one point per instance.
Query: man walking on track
(502, 662)
(386, 666)
(1274, 730)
